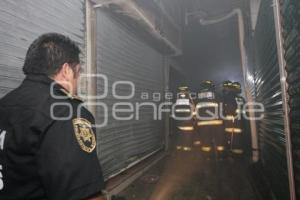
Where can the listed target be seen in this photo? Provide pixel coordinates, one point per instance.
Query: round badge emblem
(84, 134)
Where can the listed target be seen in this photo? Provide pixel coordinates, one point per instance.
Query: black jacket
(47, 144)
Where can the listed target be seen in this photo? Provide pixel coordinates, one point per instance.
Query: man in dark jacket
(47, 139)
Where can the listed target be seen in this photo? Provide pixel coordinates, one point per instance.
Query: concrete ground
(191, 176)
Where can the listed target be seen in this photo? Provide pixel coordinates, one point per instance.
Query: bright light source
(211, 122)
(206, 149)
(220, 148)
(233, 130)
(237, 151)
(187, 149)
(250, 78)
(183, 88)
(184, 102)
(186, 128)
(230, 117)
(207, 104)
(196, 143)
(184, 148)
(238, 111)
(182, 110)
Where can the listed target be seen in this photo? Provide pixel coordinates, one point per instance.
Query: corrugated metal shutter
(291, 21)
(23, 21)
(268, 91)
(122, 56)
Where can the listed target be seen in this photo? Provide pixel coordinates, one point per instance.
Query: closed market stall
(124, 56)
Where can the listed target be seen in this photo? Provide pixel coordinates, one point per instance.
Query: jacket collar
(48, 81)
(40, 78)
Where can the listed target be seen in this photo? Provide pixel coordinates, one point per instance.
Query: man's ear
(65, 71)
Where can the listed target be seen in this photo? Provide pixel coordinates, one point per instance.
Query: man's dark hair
(49, 52)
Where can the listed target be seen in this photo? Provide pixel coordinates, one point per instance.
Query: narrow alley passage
(192, 176)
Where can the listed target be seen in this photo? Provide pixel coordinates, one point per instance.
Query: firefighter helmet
(207, 85)
(237, 87)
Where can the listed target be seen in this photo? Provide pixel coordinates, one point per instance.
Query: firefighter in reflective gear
(232, 108)
(209, 124)
(183, 115)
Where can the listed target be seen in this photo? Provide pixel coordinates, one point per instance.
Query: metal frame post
(166, 73)
(285, 96)
(91, 54)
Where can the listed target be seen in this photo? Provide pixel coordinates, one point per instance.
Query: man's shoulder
(25, 95)
(44, 101)
(29, 98)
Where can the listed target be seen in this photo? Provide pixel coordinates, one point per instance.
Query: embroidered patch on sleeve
(84, 134)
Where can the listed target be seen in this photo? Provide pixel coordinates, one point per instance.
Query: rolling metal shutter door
(23, 21)
(122, 56)
(291, 21)
(268, 91)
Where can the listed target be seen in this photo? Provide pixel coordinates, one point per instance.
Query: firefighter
(209, 123)
(232, 109)
(47, 139)
(183, 115)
